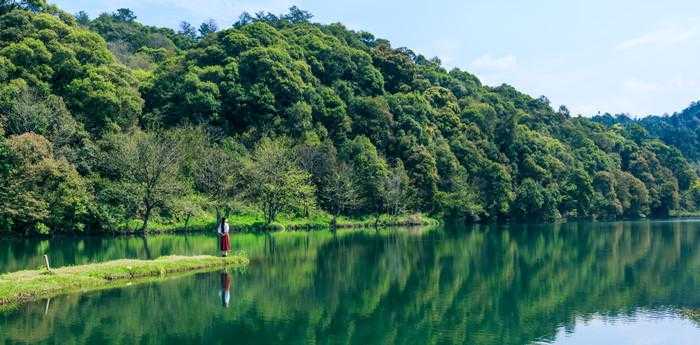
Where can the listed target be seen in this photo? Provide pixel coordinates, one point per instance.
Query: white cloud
(635, 85)
(667, 35)
(491, 63)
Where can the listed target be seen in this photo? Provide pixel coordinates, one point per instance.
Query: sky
(620, 56)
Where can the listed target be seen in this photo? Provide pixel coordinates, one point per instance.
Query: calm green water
(605, 283)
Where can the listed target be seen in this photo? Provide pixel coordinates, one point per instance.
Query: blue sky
(631, 56)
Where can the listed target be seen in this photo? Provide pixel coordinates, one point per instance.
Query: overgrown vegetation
(107, 120)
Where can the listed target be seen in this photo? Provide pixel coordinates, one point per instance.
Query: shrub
(274, 226)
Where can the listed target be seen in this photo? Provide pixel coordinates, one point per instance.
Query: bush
(274, 226)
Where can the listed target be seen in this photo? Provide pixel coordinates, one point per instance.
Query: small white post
(46, 260)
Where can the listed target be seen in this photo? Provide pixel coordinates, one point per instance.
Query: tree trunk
(146, 217)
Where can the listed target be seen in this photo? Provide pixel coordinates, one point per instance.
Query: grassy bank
(253, 222)
(24, 286)
(685, 214)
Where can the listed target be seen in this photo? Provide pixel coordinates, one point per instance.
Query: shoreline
(250, 227)
(20, 287)
(258, 227)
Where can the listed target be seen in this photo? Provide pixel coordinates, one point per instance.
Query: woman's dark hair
(223, 220)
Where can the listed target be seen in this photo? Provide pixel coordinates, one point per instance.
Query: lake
(573, 283)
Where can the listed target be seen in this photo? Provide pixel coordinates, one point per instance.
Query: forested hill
(681, 130)
(106, 120)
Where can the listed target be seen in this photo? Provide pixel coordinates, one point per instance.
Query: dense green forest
(105, 121)
(681, 130)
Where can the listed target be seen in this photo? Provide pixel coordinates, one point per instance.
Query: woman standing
(224, 239)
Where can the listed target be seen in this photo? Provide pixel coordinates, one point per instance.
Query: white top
(222, 229)
(225, 297)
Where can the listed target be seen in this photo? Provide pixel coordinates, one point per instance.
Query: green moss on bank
(24, 286)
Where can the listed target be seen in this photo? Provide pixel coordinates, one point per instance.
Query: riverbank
(685, 214)
(24, 286)
(254, 223)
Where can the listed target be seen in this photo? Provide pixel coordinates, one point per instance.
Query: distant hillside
(680, 130)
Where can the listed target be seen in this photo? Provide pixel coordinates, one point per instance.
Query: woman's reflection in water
(225, 289)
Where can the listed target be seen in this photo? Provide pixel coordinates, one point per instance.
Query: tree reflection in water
(510, 284)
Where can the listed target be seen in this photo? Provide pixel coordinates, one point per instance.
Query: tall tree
(340, 191)
(151, 161)
(215, 174)
(208, 27)
(372, 171)
(273, 179)
(399, 194)
(82, 18)
(124, 15)
(187, 30)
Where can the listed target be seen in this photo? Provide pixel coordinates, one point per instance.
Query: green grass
(685, 214)
(23, 286)
(253, 222)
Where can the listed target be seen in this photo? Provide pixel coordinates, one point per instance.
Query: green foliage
(149, 162)
(274, 226)
(692, 198)
(273, 180)
(41, 192)
(371, 171)
(145, 122)
(679, 130)
(53, 55)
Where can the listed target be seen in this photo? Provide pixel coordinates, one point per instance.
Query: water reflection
(516, 284)
(225, 289)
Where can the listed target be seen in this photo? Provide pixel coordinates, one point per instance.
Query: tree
(339, 191)
(8, 163)
(399, 194)
(297, 15)
(208, 27)
(461, 200)
(151, 161)
(273, 179)
(530, 199)
(29, 5)
(371, 171)
(82, 18)
(424, 174)
(578, 193)
(693, 196)
(124, 15)
(186, 29)
(215, 175)
(40, 193)
(668, 199)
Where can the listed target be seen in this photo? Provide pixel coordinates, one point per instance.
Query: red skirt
(225, 243)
